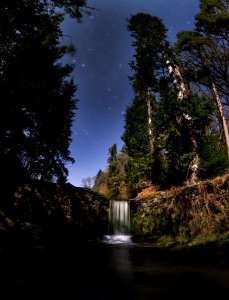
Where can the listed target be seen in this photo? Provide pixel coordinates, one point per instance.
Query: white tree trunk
(222, 116)
(178, 82)
(150, 128)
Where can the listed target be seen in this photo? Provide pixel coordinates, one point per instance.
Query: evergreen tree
(154, 72)
(204, 53)
(149, 42)
(136, 139)
(176, 152)
(37, 91)
(178, 117)
(116, 175)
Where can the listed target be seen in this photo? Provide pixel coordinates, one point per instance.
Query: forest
(173, 167)
(176, 128)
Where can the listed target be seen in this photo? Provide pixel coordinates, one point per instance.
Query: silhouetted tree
(38, 95)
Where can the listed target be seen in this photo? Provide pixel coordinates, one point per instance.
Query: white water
(119, 223)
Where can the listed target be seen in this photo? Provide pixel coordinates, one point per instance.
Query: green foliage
(204, 53)
(149, 41)
(138, 173)
(112, 154)
(136, 139)
(135, 135)
(214, 159)
(213, 17)
(116, 175)
(205, 49)
(187, 40)
(174, 140)
(75, 8)
(176, 125)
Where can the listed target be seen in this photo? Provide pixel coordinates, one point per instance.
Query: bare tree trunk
(150, 128)
(221, 114)
(178, 82)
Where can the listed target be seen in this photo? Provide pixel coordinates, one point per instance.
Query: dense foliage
(38, 95)
(174, 123)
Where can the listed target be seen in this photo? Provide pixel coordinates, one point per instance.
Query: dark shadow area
(84, 270)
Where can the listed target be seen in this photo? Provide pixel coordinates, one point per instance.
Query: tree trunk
(150, 129)
(221, 114)
(178, 82)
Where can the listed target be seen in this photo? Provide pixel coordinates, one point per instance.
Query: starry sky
(101, 71)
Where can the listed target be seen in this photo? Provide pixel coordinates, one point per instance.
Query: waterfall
(119, 222)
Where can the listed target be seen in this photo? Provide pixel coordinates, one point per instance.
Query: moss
(165, 241)
(203, 239)
(198, 213)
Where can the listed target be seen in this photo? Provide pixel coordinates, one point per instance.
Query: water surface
(92, 270)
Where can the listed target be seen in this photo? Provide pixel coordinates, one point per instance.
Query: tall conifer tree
(37, 91)
(149, 42)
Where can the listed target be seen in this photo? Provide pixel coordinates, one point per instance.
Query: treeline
(176, 129)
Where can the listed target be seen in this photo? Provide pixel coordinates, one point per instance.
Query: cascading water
(119, 222)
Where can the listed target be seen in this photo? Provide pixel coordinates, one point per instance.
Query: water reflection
(143, 272)
(118, 271)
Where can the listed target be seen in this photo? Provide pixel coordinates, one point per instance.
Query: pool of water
(134, 271)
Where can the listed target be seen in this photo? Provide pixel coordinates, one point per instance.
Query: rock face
(61, 208)
(184, 213)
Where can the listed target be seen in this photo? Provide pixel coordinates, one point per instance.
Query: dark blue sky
(103, 53)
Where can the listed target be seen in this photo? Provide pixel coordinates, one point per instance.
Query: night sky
(103, 52)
